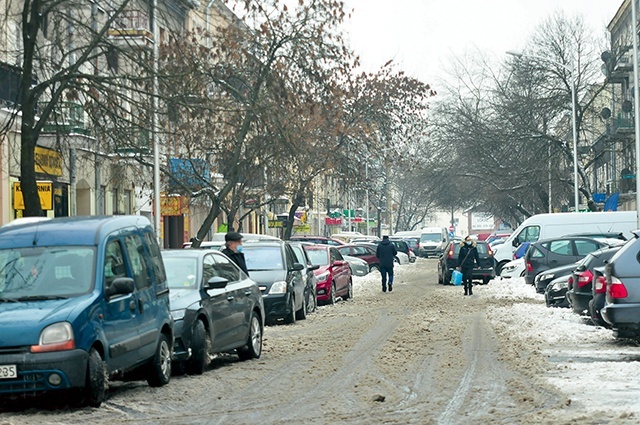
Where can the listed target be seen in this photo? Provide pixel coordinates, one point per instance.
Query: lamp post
(636, 99)
(574, 116)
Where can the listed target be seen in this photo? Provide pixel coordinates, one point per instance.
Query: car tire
(302, 313)
(159, 372)
(253, 348)
(200, 349)
(374, 267)
(485, 280)
(332, 294)
(500, 266)
(95, 390)
(396, 260)
(447, 280)
(311, 302)
(291, 315)
(440, 279)
(349, 294)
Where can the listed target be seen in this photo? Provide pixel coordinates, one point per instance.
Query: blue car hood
(22, 322)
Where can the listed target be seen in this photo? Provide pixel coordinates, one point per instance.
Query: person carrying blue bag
(467, 259)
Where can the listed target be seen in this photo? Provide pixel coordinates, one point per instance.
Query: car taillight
(450, 253)
(585, 278)
(616, 288)
(601, 285)
(489, 251)
(529, 266)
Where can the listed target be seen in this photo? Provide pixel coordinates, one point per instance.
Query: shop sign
(302, 228)
(171, 205)
(275, 223)
(45, 191)
(329, 221)
(48, 161)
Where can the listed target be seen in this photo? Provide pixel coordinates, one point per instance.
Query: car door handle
(247, 293)
(231, 298)
(140, 306)
(132, 306)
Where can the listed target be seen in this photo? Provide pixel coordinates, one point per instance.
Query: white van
(544, 226)
(433, 241)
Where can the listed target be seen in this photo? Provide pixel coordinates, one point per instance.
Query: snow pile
(512, 289)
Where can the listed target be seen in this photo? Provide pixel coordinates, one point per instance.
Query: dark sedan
(274, 266)
(215, 308)
(555, 294)
(581, 282)
(485, 271)
(543, 279)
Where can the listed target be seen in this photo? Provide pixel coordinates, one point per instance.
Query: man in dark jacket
(233, 250)
(386, 253)
(467, 258)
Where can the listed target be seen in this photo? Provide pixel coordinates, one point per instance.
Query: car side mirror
(339, 263)
(444, 240)
(314, 268)
(581, 268)
(216, 282)
(297, 267)
(120, 286)
(515, 243)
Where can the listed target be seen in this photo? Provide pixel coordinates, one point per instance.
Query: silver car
(358, 266)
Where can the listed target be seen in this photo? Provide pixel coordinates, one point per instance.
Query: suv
(82, 299)
(274, 267)
(449, 261)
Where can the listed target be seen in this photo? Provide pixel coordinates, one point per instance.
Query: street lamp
(573, 115)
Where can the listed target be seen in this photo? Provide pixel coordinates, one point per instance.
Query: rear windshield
(181, 272)
(42, 273)
(481, 247)
(318, 257)
(263, 258)
(430, 237)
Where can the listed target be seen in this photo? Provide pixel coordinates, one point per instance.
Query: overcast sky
(421, 34)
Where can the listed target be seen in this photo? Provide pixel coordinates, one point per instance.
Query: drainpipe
(206, 14)
(72, 150)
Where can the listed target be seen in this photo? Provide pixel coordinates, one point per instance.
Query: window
(137, 261)
(225, 268)
(156, 259)
(358, 251)
(113, 263)
(208, 268)
(584, 247)
(335, 255)
(529, 234)
(299, 255)
(536, 253)
(561, 247)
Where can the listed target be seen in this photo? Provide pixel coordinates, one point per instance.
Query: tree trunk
(297, 201)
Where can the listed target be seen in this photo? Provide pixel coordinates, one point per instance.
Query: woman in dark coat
(467, 258)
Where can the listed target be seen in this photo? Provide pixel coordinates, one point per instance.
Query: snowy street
(423, 354)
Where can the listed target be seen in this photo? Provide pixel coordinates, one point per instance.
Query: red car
(333, 273)
(363, 252)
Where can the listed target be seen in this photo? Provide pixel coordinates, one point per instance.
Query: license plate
(8, 371)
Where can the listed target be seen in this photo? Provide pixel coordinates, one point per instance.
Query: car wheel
(332, 294)
(200, 349)
(349, 294)
(253, 349)
(448, 278)
(500, 266)
(373, 267)
(291, 315)
(547, 300)
(302, 313)
(396, 260)
(485, 280)
(160, 367)
(312, 305)
(440, 279)
(96, 382)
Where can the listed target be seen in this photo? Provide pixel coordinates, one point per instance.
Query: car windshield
(430, 237)
(318, 257)
(46, 272)
(263, 258)
(181, 272)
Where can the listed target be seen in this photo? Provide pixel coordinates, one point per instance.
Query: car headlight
(55, 337)
(323, 277)
(546, 276)
(178, 314)
(279, 287)
(560, 285)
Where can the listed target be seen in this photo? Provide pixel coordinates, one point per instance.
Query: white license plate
(8, 371)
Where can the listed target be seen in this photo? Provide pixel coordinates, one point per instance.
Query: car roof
(570, 238)
(67, 231)
(195, 253)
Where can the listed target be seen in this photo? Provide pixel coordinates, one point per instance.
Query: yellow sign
(45, 191)
(48, 161)
(275, 223)
(303, 228)
(171, 205)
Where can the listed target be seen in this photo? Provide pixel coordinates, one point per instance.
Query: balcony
(623, 123)
(131, 29)
(67, 117)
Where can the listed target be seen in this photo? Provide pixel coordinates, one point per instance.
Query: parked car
(433, 241)
(449, 261)
(366, 252)
(543, 279)
(333, 273)
(497, 235)
(273, 266)
(581, 282)
(405, 246)
(318, 240)
(215, 245)
(555, 293)
(82, 299)
(311, 282)
(358, 266)
(550, 253)
(215, 307)
(622, 308)
(401, 257)
(513, 268)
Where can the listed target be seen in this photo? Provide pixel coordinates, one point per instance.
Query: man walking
(386, 253)
(467, 259)
(233, 250)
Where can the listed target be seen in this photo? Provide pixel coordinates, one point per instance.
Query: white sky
(420, 35)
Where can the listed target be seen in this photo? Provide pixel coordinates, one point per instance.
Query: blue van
(82, 300)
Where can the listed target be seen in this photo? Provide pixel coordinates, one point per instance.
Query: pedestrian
(386, 253)
(467, 258)
(233, 250)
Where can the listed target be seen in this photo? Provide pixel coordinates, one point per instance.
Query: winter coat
(386, 252)
(467, 255)
(238, 258)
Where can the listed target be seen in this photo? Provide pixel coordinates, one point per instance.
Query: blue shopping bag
(456, 278)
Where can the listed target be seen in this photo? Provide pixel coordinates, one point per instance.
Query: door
(234, 321)
(119, 324)
(560, 253)
(297, 283)
(340, 273)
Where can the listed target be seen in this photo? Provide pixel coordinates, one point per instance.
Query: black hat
(232, 237)
(385, 237)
